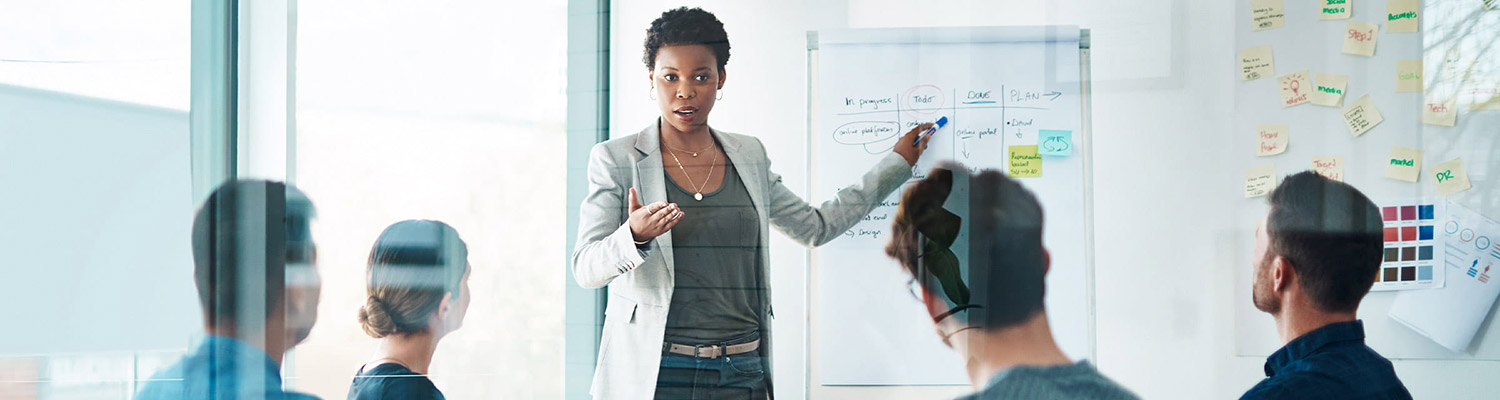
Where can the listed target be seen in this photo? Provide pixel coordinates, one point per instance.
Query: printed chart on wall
(1014, 103)
(1452, 316)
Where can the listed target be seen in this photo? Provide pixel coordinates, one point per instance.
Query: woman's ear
(651, 78)
(721, 79)
(445, 307)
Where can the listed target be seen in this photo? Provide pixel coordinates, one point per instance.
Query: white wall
(95, 215)
(1162, 106)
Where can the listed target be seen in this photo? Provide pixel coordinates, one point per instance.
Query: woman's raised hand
(908, 147)
(648, 222)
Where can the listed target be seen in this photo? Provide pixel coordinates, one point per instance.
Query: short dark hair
(1006, 262)
(225, 229)
(687, 26)
(1331, 233)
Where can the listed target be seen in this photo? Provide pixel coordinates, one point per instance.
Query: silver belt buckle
(698, 350)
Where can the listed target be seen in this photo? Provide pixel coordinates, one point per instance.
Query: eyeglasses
(915, 288)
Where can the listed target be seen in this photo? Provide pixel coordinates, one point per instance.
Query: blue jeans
(740, 376)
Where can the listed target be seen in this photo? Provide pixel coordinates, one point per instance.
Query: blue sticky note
(1054, 143)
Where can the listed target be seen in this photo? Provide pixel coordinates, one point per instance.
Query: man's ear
(1046, 261)
(1282, 273)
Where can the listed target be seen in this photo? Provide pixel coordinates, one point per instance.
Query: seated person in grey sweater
(991, 312)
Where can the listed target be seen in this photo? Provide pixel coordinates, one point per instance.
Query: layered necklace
(697, 189)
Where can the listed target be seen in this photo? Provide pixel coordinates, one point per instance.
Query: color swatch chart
(1413, 250)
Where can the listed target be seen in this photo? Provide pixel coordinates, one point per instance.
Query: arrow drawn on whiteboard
(1055, 144)
(1054, 94)
(966, 149)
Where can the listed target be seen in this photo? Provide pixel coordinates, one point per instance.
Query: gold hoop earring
(651, 93)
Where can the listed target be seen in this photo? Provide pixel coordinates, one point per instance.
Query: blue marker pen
(935, 125)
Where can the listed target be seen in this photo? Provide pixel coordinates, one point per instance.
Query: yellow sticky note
(1260, 180)
(1335, 9)
(1404, 164)
(1266, 14)
(1025, 162)
(1295, 88)
(1359, 38)
(1481, 102)
(1362, 116)
(1331, 167)
(1270, 139)
(1408, 75)
(1401, 16)
(1256, 63)
(1328, 89)
(1444, 114)
(1450, 177)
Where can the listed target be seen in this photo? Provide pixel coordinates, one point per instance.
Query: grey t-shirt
(716, 256)
(1074, 381)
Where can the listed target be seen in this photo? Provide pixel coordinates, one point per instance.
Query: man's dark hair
(1331, 233)
(687, 26)
(238, 220)
(1006, 266)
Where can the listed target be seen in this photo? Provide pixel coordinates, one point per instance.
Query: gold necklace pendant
(697, 189)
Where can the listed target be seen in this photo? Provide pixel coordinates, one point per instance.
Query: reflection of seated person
(418, 286)
(258, 286)
(992, 312)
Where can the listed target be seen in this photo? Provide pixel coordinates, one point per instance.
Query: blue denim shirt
(220, 368)
(1331, 362)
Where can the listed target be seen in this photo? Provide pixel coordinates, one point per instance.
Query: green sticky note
(1025, 162)
(1055, 143)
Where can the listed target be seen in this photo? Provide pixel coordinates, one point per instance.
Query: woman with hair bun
(418, 284)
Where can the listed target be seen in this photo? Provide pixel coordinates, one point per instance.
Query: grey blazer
(641, 282)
